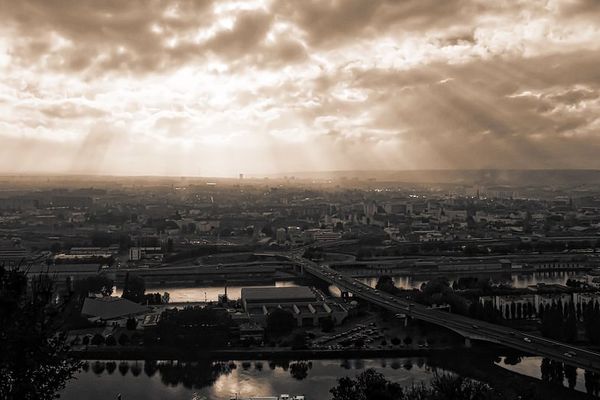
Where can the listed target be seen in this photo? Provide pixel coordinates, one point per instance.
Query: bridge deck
(468, 327)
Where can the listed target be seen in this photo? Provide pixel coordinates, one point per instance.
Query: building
(321, 235)
(281, 235)
(13, 255)
(111, 250)
(301, 301)
(112, 310)
(146, 253)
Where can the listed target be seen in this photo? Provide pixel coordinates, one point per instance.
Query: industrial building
(302, 302)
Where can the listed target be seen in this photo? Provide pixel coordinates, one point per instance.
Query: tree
(111, 341)
(299, 370)
(267, 230)
(571, 375)
(34, 363)
(111, 366)
(98, 339)
(369, 385)
(385, 283)
(183, 328)
(299, 342)
(327, 325)
(123, 339)
(134, 288)
(94, 284)
(570, 328)
(131, 324)
(280, 322)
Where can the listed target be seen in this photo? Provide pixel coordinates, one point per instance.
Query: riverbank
(171, 353)
(480, 365)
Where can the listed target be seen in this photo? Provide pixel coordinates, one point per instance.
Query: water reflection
(517, 280)
(201, 293)
(211, 293)
(553, 372)
(220, 380)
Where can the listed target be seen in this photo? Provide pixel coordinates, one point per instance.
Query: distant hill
(466, 177)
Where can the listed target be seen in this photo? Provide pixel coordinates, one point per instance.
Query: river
(211, 293)
(517, 280)
(102, 380)
(178, 294)
(135, 380)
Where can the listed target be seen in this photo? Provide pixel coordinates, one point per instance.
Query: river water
(211, 293)
(102, 380)
(204, 293)
(135, 380)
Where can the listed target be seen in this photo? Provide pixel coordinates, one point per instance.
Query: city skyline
(262, 87)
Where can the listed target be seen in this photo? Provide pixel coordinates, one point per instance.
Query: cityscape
(310, 200)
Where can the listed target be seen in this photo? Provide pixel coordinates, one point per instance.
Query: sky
(218, 88)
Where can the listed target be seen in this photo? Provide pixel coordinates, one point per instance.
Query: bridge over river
(469, 328)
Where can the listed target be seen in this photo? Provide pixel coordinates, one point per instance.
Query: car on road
(474, 326)
(527, 339)
(567, 354)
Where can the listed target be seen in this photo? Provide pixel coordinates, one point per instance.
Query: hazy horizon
(211, 88)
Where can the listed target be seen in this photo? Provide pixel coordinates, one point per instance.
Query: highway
(468, 327)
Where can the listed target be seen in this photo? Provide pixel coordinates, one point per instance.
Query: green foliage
(280, 322)
(327, 325)
(438, 291)
(591, 321)
(299, 369)
(94, 284)
(485, 312)
(153, 298)
(98, 339)
(299, 341)
(34, 363)
(134, 288)
(371, 385)
(558, 322)
(123, 339)
(191, 327)
(385, 283)
(131, 324)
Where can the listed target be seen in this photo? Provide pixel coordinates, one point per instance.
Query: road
(468, 327)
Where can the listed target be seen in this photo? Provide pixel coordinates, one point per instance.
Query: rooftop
(111, 307)
(278, 293)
